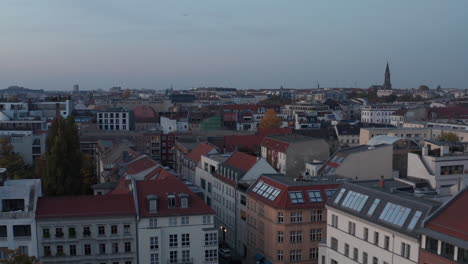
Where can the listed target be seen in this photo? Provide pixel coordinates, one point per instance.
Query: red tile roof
(274, 144)
(452, 218)
(122, 187)
(241, 161)
(140, 165)
(200, 150)
(454, 112)
(160, 174)
(234, 142)
(144, 113)
(85, 206)
(283, 200)
(162, 188)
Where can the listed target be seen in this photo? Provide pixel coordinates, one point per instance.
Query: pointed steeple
(387, 84)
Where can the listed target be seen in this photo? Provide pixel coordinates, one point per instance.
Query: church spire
(387, 84)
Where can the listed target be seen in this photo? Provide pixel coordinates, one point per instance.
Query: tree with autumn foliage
(270, 120)
(16, 257)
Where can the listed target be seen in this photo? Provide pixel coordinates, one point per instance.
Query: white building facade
(378, 114)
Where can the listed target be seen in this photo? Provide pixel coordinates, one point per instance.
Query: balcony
(16, 215)
(182, 261)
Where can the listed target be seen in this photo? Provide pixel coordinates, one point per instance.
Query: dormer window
(171, 201)
(184, 200)
(152, 203)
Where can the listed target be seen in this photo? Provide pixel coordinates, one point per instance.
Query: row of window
(295, 255)
(87, 249)
(112, 127)
(101, 231)
(296, 236)
(111, 121)
(296, 217)
(184, 220)
(112, 115)
(210, 256)
(18, 231)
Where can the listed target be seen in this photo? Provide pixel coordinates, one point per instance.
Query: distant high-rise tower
(76, 88)
(387, 84)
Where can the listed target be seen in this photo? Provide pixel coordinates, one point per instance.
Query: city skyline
(54, 44)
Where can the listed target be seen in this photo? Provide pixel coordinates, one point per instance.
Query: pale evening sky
(53, 44)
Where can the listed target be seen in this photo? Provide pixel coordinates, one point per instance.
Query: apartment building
(115, 119)
(174, 224)
(224, 179)
(87, 229)
(374, 222)
(444, 237)
(186, 163)
(17, 215)
(417, 134)
(287, 218)
(288, 154)
(444, 165)
(379, 114)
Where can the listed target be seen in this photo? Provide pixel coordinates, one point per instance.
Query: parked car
(225, 253)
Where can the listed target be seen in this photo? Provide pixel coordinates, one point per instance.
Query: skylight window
(355, 201)
(394, 214)
(296, 197)
(266, 190)
(373, 206)
(330, 192)
(315, 196)
(340, 194)
(414, 220)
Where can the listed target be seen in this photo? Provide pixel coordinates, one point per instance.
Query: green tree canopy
(448, 136)
(16, 257)
(13, 162)
(63, 159)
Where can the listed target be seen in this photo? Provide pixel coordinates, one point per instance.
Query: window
(71, 232)
(86, 231)
(432, 245)
(185, 240)
(334, 221)
(185, 256)
(114, 229)
(316, 234)
(313, 254)
(405, 250)
(185, 220)
(366, 234)
(354, 201)
(296, 217)
(334, 244)
(184, 202)
(101, 230)
(87, 249)
(375, 260)
(173, 221)
(127, 247)
(21, 230)
(414, 220)
(72, 250)
(355, 254)
(376, 238)
(280, 255)
(364, 258)
(280, 217)
(24, 249)
(296, 197)
(386, 242)
(394, 214)
(295, 255)
(211, 239)
(115, 247)
(172, 256)
(154, 243)
(340, 194)
(346, 250)
(102, 249)
(203, 184)
(173, 240)
(280, 236)
(315, 196)
(351, 228)
(211, 255)
(126, 229)
(206, 219)
(11, 205)
(153, 223)
(171, 201)
(154, 258)
(47, 251)
(330, 192)
(45, 232)
(316, 215)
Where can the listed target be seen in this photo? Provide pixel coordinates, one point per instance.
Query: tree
(449, 136)
(63, 159)
(88, 174)
(126, 93)
(270, 120)
(423, 88)
(13, 162)
(16, 257)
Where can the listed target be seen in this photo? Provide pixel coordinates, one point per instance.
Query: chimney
(425, 151)
(382, 182)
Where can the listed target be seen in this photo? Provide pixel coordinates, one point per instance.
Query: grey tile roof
(393, 192)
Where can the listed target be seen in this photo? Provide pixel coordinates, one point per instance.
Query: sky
(53, 44)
